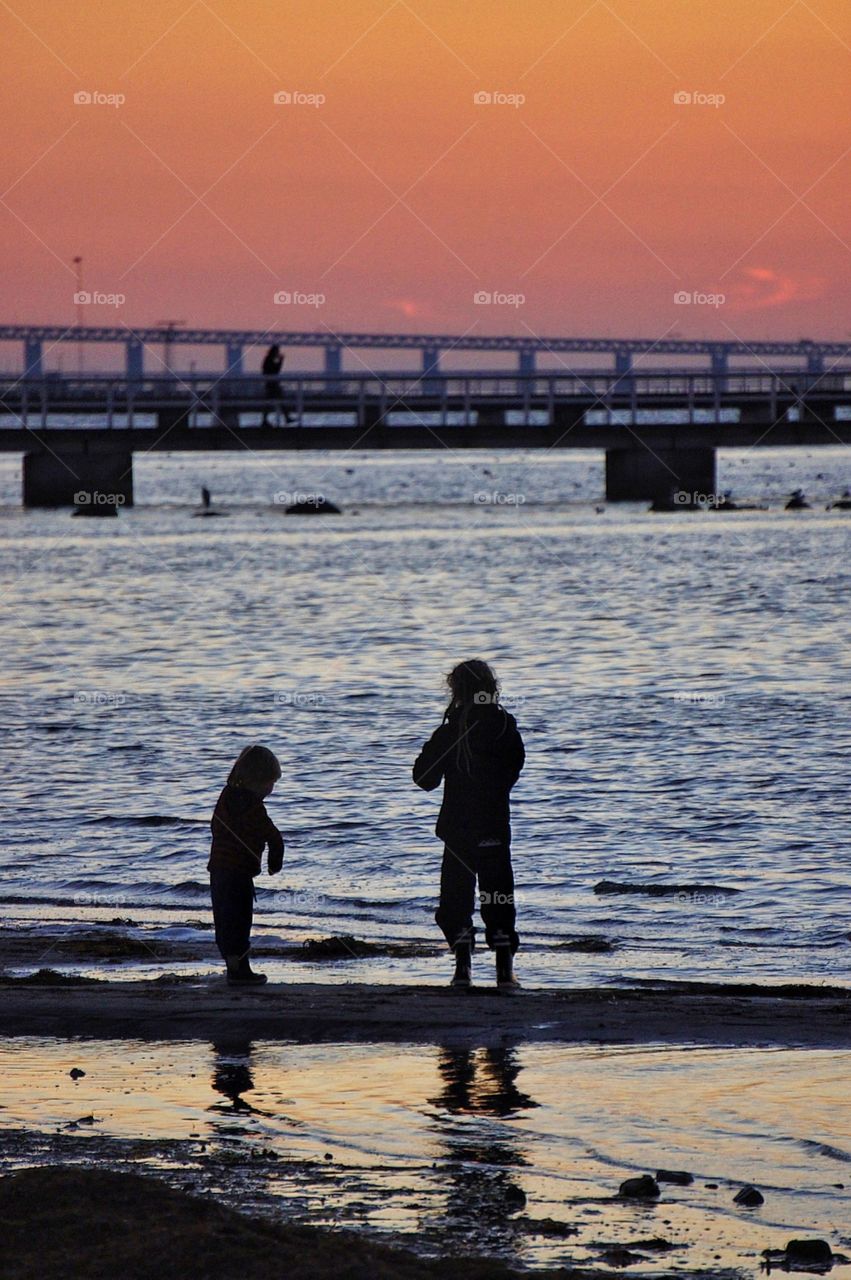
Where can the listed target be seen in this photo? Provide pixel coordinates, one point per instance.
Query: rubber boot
(505, 979)
(463, 965)
(240, 973)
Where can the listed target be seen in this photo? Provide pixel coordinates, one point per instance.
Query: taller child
(478, 753)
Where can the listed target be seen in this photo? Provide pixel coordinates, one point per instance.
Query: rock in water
(515, 1198)
(618, 1256)
(677, 1176)
(749, 1198)
(809, 1253)
(317, 506)
(643, 1188)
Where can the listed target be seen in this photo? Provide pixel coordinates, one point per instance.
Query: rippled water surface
(681, 683)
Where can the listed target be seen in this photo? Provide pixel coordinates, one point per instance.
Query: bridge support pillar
(720, 367)
(670, 478)
(32, 358)
(333, 366)
(526, 362)
(623, 369)
(431, 365)
(134, 354)
(85, 476)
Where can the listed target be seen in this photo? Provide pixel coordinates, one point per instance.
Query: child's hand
(276, 853)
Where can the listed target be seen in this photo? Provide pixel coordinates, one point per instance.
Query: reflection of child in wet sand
(241, 830)
(478, 753)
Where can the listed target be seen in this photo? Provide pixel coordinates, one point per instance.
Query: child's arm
(276, 850)
(275, 841)
(514, 753)
(430, 764)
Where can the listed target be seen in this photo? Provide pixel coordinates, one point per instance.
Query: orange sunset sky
(596, 198)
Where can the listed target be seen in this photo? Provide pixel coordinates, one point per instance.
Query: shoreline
(170, 1008)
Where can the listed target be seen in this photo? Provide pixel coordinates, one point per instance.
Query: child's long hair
(471, 683)
(255, 767)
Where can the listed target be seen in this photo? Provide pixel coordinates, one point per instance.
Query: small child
(241, 829)
(478, 753)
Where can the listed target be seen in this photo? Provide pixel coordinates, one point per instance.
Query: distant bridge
(660, 429)
(39, 340)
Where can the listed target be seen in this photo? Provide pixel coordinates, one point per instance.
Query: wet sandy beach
(681, 1013)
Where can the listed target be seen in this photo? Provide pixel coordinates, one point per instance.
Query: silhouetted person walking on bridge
(478, 753)
(273, 362)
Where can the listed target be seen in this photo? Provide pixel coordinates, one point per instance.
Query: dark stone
(749, 1198)
(76, 1074)
(677, 1176)
(515, 1198)
(319, 507)
(620, 1257)
(809, 1253)
(662, 890)
(643, 1188)
(545, 1227)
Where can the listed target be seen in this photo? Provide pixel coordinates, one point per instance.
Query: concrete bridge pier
(667, 477)
(82, 476)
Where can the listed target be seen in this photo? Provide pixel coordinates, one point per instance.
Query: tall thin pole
(78, 270)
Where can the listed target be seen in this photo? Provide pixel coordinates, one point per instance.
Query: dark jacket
(475, 798)
(241, 830)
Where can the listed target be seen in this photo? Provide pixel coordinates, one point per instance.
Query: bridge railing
(112, 395)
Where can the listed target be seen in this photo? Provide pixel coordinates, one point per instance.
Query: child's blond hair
(255, 767)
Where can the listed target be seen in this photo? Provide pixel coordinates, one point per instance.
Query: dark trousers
(233, 909)
(491, 866)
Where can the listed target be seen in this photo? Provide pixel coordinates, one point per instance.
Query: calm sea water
(681, 682)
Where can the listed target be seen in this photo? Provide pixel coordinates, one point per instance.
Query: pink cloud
(406, 306)
(763, 288)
